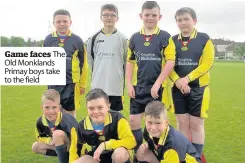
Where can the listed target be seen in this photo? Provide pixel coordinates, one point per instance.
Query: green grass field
(225, 127)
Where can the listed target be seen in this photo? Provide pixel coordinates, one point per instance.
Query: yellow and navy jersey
(148, 56)
(64, 122)
(116, 133)
(76, 56)
(195, 61)
(172, 147)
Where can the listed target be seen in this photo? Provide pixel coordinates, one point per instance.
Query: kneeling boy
(53, 128)
(164, 143)
(104, 135)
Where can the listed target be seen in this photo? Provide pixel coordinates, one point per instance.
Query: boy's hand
(154, 90)
(143, 148)
(131, 92)
(186, 90)
(181, 83)
(82, 91)
(98, 151)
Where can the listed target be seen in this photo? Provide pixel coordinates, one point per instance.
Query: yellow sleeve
(73, 146)
(170, 52)
(45, 140)
(125, 137)
(170, 156)
(84, 75)
(207, 61)
(130, 54)
(173, 76)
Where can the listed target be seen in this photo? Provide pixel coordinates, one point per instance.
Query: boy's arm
(89, 53)
(169, 55)
(76, 144)
(125, 137)
(170, 156)
(73, 155)
(206, 65)
(131, 61)
(173, 76)
(82, 55)
(45, 140)
(126, 45)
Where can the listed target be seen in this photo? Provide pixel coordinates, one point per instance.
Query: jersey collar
(57, 122)
(54, 34)
(88, 124)
(163, 136)
(155, 32)
(193, 34)
(102, 31)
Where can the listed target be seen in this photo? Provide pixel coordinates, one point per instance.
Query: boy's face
(109, 18)
(50, 109)
(155, 126)
(62, 23)
(185, 23)
(150, 17)
(97, 110)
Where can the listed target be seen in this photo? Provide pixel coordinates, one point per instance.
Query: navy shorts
(69, 95)
(142, 98)
(196, 103)
(116, 103)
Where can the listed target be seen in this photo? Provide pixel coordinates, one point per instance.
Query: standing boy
(194, 59)
(147, 51)
(76, 61)
(107, 51)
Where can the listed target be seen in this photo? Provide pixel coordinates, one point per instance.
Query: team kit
(160, 73)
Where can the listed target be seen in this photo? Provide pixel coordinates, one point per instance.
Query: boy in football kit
(76, 61)
(107, 53)
(104, 135)
(53, 128)
(194, 59)
(146, 54)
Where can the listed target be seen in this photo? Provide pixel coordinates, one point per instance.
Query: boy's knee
(85, 158)
(35, 147)
(59, 134)
(139, 156)
(135, 122)
(120, 155)
(197, 124)
(196, 127)
(59, 137)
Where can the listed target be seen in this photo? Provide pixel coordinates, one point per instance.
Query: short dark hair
(110, 7)
(61, 12)
(95, 94)
(186, 10)
(150, 5)
(155, 109)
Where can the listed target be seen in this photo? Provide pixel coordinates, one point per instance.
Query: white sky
(32, 18)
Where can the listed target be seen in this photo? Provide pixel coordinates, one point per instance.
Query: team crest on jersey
(102, 138)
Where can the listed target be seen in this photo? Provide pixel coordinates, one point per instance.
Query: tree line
(16, 41)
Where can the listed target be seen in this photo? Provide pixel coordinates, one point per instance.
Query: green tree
(4, 41)
(240, 51)
(17, 41)
(39, 43)
(28, 43)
